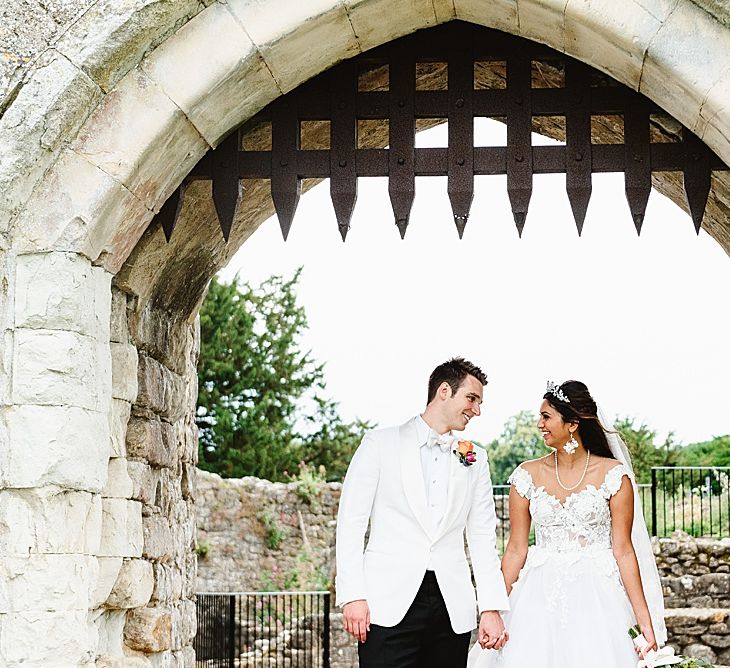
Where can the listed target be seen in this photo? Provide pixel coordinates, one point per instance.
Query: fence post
(326, 634)
(231, 631)
(653, 502)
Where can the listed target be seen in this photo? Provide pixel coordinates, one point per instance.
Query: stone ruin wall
(236, 519)
(148, 616)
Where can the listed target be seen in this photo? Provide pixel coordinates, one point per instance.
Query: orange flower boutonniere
(465, 453)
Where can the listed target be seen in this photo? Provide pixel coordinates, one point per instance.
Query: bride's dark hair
(581, 409)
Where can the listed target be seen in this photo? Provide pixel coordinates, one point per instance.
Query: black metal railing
(695, 499)
(252, 629)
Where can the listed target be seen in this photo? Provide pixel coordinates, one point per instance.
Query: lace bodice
(582, 522)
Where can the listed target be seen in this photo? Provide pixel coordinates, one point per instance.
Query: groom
(408, 597)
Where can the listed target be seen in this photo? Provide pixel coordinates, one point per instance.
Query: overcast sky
(641, 320)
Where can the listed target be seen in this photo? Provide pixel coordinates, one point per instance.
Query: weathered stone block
(371, 30)
(188, 481)
(46, 582)
(79, 208)
(168, 583)
(119, 413)
(108, 572)
(62, 291)
(49, 520)
(700, 652)
(118, 332)
(53, 103)
(109, 625)
(149, 153)
(232, 59)
(61, 368)
(145, 441)
(716, 641)
(148, 629)
(184, 624)
(54, 445)
(287, 37)
(124, 662)
(615, 38)
(48, 639)
(118, 483)
(185, 658)
(124, 371)
(681, 68)
(121, 531)
(134, 584)
(160, 390)
(501, 14)
(110, 39)
(163, 660)
(543, 21)
(158, 543)
(6, 365)
(144, 481)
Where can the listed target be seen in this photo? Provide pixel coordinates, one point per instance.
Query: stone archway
(96, 506)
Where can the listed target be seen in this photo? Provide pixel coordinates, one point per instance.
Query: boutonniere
(465, 452)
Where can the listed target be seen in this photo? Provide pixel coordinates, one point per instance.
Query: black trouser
(423, 639)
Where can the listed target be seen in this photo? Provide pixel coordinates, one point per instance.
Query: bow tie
(443, 441)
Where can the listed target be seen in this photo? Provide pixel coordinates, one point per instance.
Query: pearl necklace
(585, 469)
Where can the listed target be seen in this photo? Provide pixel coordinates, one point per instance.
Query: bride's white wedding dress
(568, 607)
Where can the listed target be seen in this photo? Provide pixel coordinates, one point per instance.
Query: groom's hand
(492, 634)
(356, 615)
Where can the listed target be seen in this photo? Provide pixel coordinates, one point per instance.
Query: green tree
(715, 452)
(645, 453)
(256, 384)
(519, 441)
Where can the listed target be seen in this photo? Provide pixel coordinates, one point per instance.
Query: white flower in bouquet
(664, 656)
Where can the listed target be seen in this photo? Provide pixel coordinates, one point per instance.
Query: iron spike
(460, 224)
(343, 202)
(697, 177)
(519, 217)
(170, 211)
(285, 205)
(226, 186)
(579, 199)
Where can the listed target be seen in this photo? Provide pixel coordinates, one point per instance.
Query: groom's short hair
(453, 372)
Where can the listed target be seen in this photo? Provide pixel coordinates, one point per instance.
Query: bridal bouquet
(665, 656)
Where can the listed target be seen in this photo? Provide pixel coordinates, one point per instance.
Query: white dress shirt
(435, 464)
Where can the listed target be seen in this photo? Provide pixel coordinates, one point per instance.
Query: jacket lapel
(459, 480)
(412, 473)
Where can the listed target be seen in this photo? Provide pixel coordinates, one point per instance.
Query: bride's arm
(622, 517)
(516, 551)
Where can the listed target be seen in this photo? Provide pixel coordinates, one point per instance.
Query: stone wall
(148, 618)
(696, 578)
(257, 535)
(254, 534)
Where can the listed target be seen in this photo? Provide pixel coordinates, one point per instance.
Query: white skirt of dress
(568, 610)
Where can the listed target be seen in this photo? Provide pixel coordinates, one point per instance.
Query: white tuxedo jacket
(384, 486)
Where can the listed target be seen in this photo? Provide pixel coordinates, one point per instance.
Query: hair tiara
(554, 389)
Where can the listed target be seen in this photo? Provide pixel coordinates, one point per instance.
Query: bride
(591, 574)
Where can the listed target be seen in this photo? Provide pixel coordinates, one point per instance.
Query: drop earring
(572, 445)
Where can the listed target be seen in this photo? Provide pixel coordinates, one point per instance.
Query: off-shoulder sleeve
(522, 482)
(612, 481)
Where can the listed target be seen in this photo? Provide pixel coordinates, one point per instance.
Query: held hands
(492, 634)
(356, 616)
